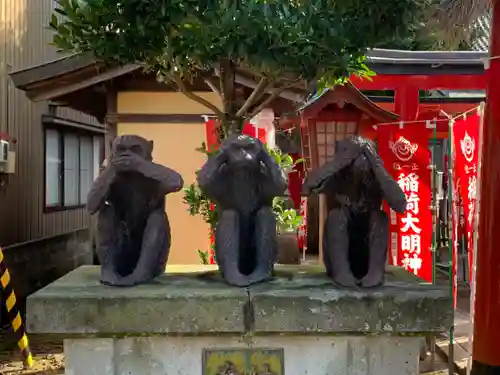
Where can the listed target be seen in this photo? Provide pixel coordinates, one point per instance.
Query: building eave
(69, 74)
(23, 78)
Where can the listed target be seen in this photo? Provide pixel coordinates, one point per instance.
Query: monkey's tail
(14, 313)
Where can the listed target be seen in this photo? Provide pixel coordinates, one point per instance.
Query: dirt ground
(48, 356)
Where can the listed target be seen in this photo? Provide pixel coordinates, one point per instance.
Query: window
(72, 160)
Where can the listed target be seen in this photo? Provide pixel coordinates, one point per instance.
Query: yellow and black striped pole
(14, 313)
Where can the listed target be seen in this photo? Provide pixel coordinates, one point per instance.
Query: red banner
(253, 131)
(406, 157)
(455, 219)
(302, 232)
(465, 143)
(212, 144)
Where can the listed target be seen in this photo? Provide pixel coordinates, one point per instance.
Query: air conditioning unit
(4, 151)
(7, 158)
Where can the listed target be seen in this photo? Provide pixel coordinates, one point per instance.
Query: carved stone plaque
(243, 362)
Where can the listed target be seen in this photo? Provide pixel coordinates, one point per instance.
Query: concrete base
(303, 355)
(164, 327)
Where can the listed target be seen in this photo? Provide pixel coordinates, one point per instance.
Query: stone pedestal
(179, 324)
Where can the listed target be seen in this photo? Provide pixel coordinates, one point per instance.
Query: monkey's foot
(372, 280)
(260, 276)
(111, 279)
(237, 279)
(345, 280)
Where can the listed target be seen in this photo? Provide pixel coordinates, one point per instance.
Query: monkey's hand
(128, 163)
(395, 197)
(372, 156)
(99, 190)
(275, 180)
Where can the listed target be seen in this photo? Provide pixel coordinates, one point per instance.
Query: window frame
(64, 127)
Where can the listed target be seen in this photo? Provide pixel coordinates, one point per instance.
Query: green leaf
(60, 11)
(53, 21)
(203, 256)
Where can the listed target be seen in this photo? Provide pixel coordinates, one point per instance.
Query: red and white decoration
(455, 212)
(404, 150)
(302, 233)
(262, 127)
(466, 158)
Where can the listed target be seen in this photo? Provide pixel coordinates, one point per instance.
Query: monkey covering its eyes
(242, 178)
(133, 228)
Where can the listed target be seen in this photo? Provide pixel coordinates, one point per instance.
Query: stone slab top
(193, 300)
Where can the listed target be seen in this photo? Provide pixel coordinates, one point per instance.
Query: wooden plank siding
(24, 42)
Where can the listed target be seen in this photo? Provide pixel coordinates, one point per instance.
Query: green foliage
(196, 200)
(199, 204)
(285, 161)
(282, 40)
(287, 219)
(203, 256)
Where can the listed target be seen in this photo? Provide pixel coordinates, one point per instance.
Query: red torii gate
(409, 72)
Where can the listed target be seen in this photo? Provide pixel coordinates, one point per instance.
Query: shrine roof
(392, 62)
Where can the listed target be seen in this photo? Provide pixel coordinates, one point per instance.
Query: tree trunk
(230, 125)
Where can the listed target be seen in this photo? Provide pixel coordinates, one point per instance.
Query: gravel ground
(48, 356)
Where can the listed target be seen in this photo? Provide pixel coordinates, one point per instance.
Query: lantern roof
(341, 95)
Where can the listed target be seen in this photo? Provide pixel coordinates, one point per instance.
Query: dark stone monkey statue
(242, 178)
(355, 183)
(133, 228)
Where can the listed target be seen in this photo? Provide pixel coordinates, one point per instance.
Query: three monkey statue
(242, 179)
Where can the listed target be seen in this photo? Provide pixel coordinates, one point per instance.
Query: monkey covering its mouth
(129, 197)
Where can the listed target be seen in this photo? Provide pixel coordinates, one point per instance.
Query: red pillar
(295, 181)
(406, 102)
(486, 352)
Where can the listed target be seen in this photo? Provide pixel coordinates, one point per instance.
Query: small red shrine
(336, 114)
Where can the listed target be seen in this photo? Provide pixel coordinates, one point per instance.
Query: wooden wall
(24, 42)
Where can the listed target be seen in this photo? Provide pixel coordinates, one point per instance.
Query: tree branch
(256, 95)
(274, 95)
(210, 83)
(183, 89)
(227, 85)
